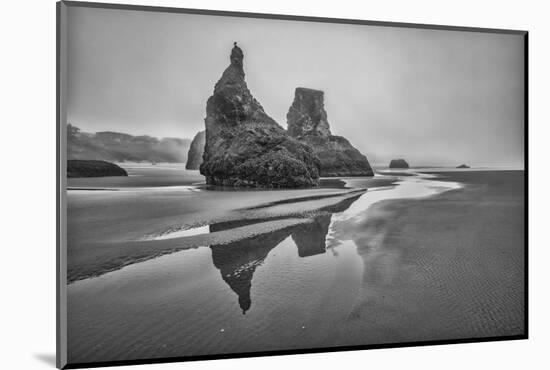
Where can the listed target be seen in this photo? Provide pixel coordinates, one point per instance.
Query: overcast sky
(433, 97)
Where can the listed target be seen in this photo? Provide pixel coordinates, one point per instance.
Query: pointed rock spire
(237, 56)
(246, 147)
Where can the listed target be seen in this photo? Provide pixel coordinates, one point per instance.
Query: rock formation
(196, 150)
(399, 163)
(83, 168)
(307, 122)
(463, 166)
(246, 147)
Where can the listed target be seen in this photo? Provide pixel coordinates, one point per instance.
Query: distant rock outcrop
(399, 163)
(196, 150)
(307, 122)
(463, 166)
(82, 168)
(246, 147)
(120, 147)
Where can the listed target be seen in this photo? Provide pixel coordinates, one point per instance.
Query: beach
(112, 226)
(183, 270)
(455, 261)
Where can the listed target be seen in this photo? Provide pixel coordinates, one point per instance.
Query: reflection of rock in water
(237, 261)
(310, 238)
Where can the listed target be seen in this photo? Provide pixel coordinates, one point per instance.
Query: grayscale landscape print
(241, 185)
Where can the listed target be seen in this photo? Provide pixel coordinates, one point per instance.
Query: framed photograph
(236, 184)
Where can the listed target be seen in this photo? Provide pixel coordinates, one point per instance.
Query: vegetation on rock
(120, 147)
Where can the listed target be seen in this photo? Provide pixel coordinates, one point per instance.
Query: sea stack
(307, 122)
(246, 147)
(399, 163)
(196, 150)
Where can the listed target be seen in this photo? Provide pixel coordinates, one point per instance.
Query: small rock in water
(398, 163)
(93, 168)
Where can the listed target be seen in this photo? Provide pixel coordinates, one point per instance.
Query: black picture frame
(61, 276)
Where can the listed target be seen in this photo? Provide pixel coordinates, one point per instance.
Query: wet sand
(445, 267)
(332, 267)
(140, 176)
(110, 229)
